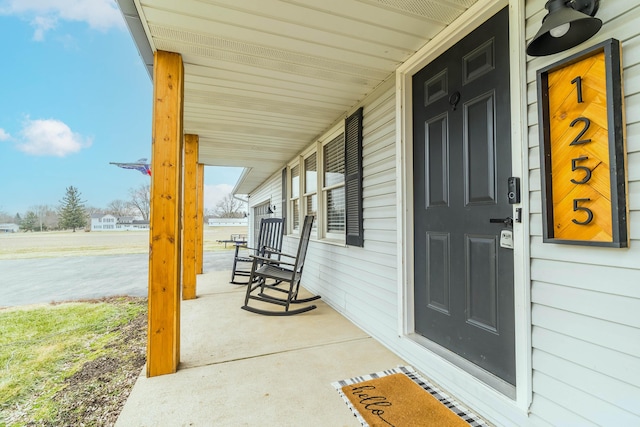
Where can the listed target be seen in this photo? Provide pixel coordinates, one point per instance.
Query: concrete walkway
(242, 369)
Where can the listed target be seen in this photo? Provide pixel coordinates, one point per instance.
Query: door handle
(508, 221)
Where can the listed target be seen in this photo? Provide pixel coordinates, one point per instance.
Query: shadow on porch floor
(242, 369)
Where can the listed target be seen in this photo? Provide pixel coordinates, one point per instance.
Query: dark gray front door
(462, 159)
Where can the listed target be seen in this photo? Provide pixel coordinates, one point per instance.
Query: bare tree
(120, 208)
(229, 207)
(51, 219)
(5, 217)
(140, 200)
(45, 213)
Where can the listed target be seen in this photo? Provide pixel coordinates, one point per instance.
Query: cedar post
(190, 218)
(200, 220)
(163, 338)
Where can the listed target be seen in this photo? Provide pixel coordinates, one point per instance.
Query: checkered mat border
(464, 413)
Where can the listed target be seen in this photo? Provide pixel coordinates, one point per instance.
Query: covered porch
(254, 85)
(238, 368)
(251, 85)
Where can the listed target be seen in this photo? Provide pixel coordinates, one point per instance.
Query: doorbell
(513, 190)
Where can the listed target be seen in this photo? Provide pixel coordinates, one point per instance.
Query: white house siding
(586, 300)
(361, 283)
(271, 190)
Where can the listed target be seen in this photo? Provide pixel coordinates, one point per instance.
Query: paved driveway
(44, 280)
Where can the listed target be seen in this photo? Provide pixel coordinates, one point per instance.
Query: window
(311, 187)
(334, 185)
(326, 181)
(295, 198)
(283, 198)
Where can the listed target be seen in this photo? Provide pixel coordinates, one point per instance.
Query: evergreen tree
(29, 222)
(71, 211)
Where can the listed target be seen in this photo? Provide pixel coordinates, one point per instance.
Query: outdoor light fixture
(568, 23)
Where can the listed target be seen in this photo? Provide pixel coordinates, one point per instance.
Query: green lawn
(44, 349)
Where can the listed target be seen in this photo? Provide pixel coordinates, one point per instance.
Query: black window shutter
(353, 178)
(284, 199)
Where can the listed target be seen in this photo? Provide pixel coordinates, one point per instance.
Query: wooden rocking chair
(269, 238)
(286, 274)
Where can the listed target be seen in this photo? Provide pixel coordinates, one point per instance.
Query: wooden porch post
(200, 221)
(190, 230)
(163, 338)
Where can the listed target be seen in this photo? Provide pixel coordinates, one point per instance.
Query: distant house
(228, 222)
(108, 222)
(9, 228)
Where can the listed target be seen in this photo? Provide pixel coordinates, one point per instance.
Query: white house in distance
(227, 222)
(439, 229)
(108, 222)
(9, 228)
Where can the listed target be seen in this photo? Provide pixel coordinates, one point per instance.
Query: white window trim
(335, 237)
(314, 232)
(321, 191)
(291, 199)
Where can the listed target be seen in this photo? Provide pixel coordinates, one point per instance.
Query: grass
(43, 348)
(65, 244)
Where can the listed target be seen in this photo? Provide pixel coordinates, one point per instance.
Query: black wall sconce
(568, 23)
(271, 209)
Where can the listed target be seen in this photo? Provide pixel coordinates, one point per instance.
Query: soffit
(265, 78)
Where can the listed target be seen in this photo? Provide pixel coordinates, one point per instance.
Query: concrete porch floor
(242, 369)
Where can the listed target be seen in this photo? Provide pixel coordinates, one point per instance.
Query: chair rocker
(284, 273)
(269, 237)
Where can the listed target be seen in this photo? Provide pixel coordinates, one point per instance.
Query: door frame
(465, 385)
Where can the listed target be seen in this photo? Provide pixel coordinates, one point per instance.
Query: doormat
(401, 397)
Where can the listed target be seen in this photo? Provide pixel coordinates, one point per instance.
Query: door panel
(438, 271)
(479, 144)
(462, 159)
(437, 159)
(482, 281)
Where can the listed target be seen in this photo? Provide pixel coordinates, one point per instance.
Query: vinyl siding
(361, 283)
(270, 190)
(586, 300)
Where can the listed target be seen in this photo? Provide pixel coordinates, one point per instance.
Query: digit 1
(578, 82)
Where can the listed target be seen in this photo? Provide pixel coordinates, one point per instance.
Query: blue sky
(74, 96)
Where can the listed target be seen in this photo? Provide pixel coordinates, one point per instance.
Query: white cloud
(44, 15)
(214, 193)
(42, 25)
(4, 136)
(50, 138)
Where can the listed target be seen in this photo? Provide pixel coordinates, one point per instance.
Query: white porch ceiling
(265, 78)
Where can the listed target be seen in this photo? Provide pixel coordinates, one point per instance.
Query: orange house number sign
(583, 149)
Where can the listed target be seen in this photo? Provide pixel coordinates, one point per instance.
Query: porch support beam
(200, 235)
(190, 224)
(163, 338)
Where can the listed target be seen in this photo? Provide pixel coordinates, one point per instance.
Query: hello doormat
(400, 397)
